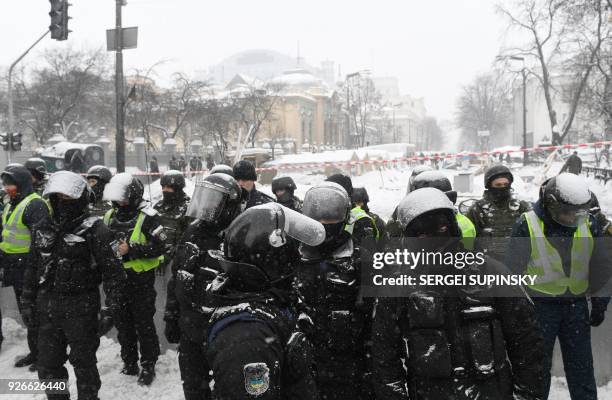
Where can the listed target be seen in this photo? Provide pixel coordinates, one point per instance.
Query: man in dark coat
(24, 215)
(494, 215)
(573, 165)
(64, 288)
(284, 189)
(245, 175)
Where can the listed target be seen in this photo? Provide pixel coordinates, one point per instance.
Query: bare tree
(70, 87)
(483, 105)
(364, 105)
(564, 36)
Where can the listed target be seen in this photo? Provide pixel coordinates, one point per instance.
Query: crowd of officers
(264, 296)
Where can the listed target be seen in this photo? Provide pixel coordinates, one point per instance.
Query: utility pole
(525, 154)
(11, 115)
(120, 134)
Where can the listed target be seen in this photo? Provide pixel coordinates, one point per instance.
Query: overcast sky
(433, 47)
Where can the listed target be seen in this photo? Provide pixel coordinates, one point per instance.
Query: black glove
(598, 314)
(105, 322)
(172, 331)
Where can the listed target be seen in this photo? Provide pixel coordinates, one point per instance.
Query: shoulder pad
(150, 211)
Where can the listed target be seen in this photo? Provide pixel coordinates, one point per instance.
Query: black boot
(130, 369)
(147, 374)
(25, 361)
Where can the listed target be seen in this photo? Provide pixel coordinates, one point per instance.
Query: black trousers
(194, 369)
(134, 322)
(81, 334)
(33, 330)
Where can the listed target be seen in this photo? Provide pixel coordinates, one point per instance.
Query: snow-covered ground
(167, 385)
(386, 188)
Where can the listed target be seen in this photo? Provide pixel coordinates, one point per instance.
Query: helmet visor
(207, 202)
(568, 215)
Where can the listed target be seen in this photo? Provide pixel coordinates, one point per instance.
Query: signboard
(130, 38)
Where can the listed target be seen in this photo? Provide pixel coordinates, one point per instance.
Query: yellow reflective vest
(137, 237)
(546, 263)
(468, 231)
(358, 213)
(16, 237)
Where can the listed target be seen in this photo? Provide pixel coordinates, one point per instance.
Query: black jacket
(173, 219)
(255, 198)
(519, 249)
(192, 271)
(74, 263)
(449, 355)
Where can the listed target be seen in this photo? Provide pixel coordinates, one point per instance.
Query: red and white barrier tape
(537, 149)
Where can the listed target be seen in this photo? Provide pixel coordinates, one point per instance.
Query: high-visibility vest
(358, 213)
(546, 263)
(468, 231)
(140, 264)
(16, 237)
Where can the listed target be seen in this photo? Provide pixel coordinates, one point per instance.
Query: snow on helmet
(422, 201)
(124, 187)
(567, 199)
(222, 169)
(328, 201)
(416, 171)
(435, 179)
(173, 178)
(66, 183)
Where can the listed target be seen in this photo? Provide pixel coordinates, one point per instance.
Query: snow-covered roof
(308, 158)
(299, 77)
(60, 149)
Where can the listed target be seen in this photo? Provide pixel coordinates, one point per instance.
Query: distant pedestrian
(154, 165)
(573, 165)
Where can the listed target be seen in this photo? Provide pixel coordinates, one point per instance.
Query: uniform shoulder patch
(256, 378)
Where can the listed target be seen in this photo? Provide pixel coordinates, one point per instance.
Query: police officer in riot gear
(98, 177)
(171, 209)
(284, 189)
(497, 211)
(38, 169)
(253, 348)
(24, 214)
(438, 180)
(449, 342)
(560, 242)
(142, 239)
(333, 314)
(216, 202)
(76, 257)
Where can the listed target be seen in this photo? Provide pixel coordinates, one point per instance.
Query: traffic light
(59, 19)
(16, 141)
(5, 141)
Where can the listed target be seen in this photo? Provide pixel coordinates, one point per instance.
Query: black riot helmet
(37, 167)
(124, 189)
(328, 201)
(360, 195)
(566, 199)
(215, 201)
(68, 195)
(222, 169)
(174, 179)
(416, 171)
(101, 173)
(424, 211)
(435, 179)
(258, 252)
